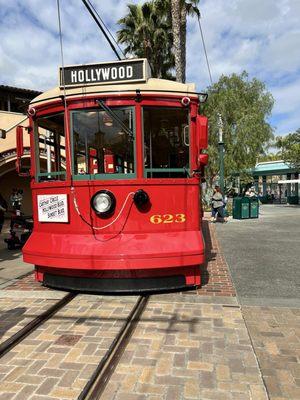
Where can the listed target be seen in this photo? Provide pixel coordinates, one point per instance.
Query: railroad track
(19, 336)
(98, 381)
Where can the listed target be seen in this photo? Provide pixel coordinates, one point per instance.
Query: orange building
(13, 106)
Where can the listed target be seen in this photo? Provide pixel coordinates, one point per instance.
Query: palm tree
(177, 37)
(179, 11)
(146, 31)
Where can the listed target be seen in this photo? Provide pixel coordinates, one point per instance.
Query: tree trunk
(183, 40)
(175, 10)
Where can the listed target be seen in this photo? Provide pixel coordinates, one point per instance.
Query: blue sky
(259, 36)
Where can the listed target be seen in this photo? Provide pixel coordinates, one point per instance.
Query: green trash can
(240, 208)
(293, 200)
(254, 207)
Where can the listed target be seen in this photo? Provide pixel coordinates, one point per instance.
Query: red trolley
(116, 166)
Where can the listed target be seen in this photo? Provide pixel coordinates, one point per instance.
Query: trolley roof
(152, 85)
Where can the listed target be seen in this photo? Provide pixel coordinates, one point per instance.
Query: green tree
(179, 11)
(146, 32)
(270, 157)
(290, 148)
(244, 106)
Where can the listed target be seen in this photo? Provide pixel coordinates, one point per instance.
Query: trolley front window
(166, 142)
(50, 145)
(102, 146)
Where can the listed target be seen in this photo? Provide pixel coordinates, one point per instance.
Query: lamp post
(221, 152)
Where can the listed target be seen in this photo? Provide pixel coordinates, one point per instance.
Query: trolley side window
(50, 145)
(102, 144)
(166, 142)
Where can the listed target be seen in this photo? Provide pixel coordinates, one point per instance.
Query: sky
(261, 37)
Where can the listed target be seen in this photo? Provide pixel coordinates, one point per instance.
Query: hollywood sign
(105, 73)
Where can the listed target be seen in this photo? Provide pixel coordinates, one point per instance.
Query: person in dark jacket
(217, 205)
(3, 208)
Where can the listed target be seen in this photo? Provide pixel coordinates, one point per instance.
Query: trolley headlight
(103, 202)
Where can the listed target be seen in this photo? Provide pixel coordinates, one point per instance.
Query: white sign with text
(53, 208)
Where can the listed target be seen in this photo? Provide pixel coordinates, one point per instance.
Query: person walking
(3, 208)
(217, 204)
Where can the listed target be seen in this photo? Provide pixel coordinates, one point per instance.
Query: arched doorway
(9, 180)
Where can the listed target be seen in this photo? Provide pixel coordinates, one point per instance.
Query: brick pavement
(215, 275)
(275, 334)
(183, 350)
(15, 314)
(56, 360)
(26, 283)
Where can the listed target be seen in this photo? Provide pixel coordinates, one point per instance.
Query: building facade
(13, 106)
(277, 182)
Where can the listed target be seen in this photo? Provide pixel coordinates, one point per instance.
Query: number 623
(167, 219)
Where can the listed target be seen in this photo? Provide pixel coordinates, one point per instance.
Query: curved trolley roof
(152, 85)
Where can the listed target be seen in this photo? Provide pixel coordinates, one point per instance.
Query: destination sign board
(53, 208)
(105, 73)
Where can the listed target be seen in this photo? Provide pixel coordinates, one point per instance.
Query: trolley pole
(221, 152)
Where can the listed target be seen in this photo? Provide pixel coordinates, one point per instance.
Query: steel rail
(98, 381)
(15, 339)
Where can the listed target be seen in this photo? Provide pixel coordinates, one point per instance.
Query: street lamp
(221, 152)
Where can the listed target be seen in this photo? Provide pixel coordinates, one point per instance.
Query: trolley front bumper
(125, 251)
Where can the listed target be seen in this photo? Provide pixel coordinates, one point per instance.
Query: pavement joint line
(199, 299)
(256, 357)
(231, 306)
(7, 280)
(188, 299)
(11, 294)
(270, 302)
(7, 283)
(24, 275)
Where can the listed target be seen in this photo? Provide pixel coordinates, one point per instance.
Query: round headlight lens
(103, 202)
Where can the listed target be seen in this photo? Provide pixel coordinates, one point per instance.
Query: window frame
(38, 173)
(105, 176)
(148, 171)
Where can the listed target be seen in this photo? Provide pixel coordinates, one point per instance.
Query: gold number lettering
(168, 218)
(180, 218)
(156, 219)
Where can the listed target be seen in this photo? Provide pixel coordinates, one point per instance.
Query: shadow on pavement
(11, 318)
(6, 254)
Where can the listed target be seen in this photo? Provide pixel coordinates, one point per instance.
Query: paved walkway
(183, 350)
(57, 359)
(12, 266)
(15, 314)
(263, 257)
(275, 333)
